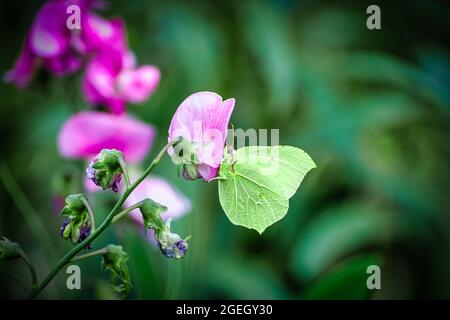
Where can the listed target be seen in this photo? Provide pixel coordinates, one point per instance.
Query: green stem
(99, 252)
(91, 214)
(123, 213)
(125, 172)
(31, 268)
(72, 253)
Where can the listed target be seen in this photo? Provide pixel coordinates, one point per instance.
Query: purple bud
(63, 227)
(115, 184)
(105, 170)
(182, 247)
(90, 171)
(85, 231)
(172, 246)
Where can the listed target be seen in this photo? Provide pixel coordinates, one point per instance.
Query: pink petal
(64, 64)
(23, 69)
(99, 81)
(203, 118)
(49, 36)
(137, 85)
(99, 33)
(85, 134)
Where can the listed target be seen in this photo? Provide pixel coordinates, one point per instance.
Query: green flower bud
(151, 214)
(78, 226)
(106, 169)
(115, 260)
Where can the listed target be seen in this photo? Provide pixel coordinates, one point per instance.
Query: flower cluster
(106, 139)
(111, 78)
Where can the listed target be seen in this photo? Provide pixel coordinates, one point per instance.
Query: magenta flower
(85, 134)
(112, 80)
(49, 42)
(57, 48)
(98, 33)
(202, 120)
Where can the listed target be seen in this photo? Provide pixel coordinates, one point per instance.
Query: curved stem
(123, 213)
(72, 253)
(99, 252)
(125, 172)
(31, 268)
(91, 214)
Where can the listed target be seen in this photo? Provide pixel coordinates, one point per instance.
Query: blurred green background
(371, 107)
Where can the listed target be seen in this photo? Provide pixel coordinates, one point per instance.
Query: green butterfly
(256, 183)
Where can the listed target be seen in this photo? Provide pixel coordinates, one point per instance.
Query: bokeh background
(371, 107)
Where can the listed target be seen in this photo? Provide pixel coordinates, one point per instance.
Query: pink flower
(202, 120)
(162, 192)
(61, 50)
(85, 134)
(49, 40)
(23, 70)
(98, 33)
(112, 80)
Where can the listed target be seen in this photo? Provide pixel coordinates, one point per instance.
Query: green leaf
(255, 184)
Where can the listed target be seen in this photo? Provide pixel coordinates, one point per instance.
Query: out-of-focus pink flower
(135, 85)
(98, 33)
(60, 49)
(23, 70)
(85, 134)
(162, 192)
(48, 40)
(202, 120)
(112, 80)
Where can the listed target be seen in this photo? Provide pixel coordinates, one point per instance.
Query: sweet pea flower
(87, 133)
(202, 120)
(49, 41)
(112, 80)
(98, 33)
(57, 48)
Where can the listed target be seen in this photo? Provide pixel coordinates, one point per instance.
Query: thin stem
(123, 165)
(123, 213)
(31, 268)
(91, 214)
(72, 253)
(99, 252)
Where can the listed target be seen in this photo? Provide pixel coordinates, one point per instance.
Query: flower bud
(106, 169)
(151, 214)
(78, 226)
(115, 260)
(170, 244)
